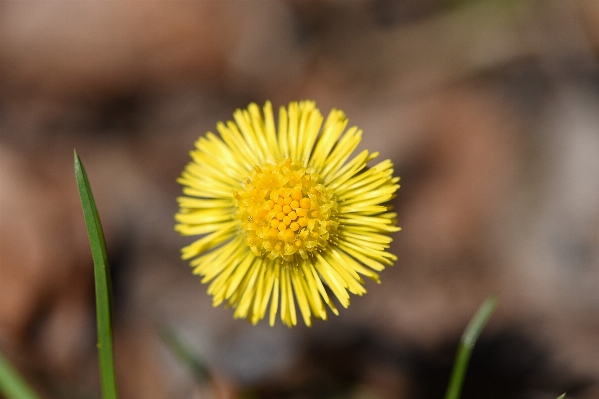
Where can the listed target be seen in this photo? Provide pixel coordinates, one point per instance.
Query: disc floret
(286, 212)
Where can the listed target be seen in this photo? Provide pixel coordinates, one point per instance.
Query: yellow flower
(283, 214)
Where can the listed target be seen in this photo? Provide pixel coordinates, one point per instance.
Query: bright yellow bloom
(284, 214)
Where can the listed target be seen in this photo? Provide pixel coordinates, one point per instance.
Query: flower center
(286, 211)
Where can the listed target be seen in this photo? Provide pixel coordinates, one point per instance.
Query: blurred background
(489, 110)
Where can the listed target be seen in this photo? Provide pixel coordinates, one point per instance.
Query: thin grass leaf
(12, 385)
(562, 396)
(183, 354)
(102, 282)
(469, 337)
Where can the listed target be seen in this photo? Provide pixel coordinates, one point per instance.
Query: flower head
(284, 217)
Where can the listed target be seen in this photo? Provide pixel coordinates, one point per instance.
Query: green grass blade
(12, 385)
(185, 356)
(562, 396)
(102, 282)
(467, 342)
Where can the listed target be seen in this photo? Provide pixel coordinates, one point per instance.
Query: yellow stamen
(275, 207)
(288, 235)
